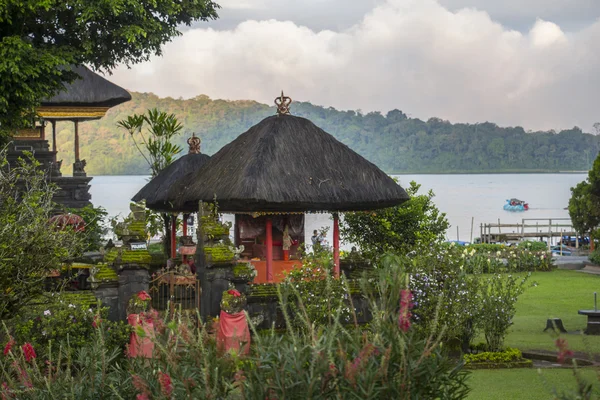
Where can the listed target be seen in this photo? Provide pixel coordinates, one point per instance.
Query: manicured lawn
(526, 384)
(558, 294)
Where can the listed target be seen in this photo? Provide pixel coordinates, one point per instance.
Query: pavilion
(156, 193)
(85, 99)
(271, 175)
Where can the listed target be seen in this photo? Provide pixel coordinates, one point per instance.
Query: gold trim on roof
(72, 112)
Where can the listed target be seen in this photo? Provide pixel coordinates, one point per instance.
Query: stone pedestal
(593, 321)
(131, 281)
(73, 191)
(109, 297)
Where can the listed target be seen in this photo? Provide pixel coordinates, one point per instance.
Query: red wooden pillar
(173, 235)
(336, 245)
(269, 244)
(185, 229)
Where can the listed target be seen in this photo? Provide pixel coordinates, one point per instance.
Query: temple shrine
(87, 98)
(269, 177)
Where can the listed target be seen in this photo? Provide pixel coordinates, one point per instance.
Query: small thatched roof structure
(157, 192)
(287, 164)
(91, 90)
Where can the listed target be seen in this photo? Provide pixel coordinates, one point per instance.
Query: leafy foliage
(49, 325)
(95, 225)
(40, 39)
(417, 222)
(30, 246)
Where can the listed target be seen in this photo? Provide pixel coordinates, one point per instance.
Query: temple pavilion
(271, 175)
(87, 98)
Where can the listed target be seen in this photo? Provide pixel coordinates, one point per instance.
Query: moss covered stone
(219, 253)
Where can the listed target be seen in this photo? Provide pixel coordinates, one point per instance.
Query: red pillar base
(269, 245)
(336, 245)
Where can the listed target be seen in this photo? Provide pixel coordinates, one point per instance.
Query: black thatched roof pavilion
(286, 164)
(156, 193)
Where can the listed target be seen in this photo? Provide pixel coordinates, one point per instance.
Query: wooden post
(576, 240)
(481, 239)
(472, 222)
(53, 122)
(173, 235)
(236, 230)
(457, 236)
(269, 244)
(76, 140)
(549, 234)
(336, 245)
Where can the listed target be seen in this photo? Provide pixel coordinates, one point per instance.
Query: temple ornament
(283, 104)
(194, 143)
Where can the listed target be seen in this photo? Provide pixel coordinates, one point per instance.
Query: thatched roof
(287, 164)
(157, 192)
(91, 90)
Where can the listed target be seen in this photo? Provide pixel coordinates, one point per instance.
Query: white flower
(47, 312)
(498, 253)
(71, 305)
(90, 310)
(44, 333)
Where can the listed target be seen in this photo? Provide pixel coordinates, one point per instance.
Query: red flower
(142, 295)
(234, 293)
(142, 396)
(97, 321)
(563, 350)
(405, 307)
(28, 352)
(8, 346)
(165, 383)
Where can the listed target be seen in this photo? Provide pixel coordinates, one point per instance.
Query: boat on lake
(516, 205)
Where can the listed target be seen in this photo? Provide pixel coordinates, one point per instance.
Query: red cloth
(233, 333)
(140, 347)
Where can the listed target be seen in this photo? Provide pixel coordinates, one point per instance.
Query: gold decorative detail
(194, 143)
(71, 112)
(283, 104)
(32, 133)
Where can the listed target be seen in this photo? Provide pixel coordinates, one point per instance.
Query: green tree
(584, 204)
(399, 229)
(40, 39)
(30, 246)
(157, 148)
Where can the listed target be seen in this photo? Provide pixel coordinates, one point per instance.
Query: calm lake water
(461, 197)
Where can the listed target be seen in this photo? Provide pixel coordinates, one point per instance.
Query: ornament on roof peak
(194, 143)
(283, 104)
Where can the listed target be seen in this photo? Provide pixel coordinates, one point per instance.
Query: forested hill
(395, 143)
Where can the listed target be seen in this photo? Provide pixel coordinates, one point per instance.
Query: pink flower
(97, 321)
(8, 346)
(142, 396)
(142, 295)
(234, 293)
(405, 307)
(165, 383)
(28, 352)
(563, 350)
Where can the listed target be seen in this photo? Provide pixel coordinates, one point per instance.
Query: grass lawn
(526, 384)
(558, 294)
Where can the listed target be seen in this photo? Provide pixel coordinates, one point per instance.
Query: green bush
(51, 325)
(505, 356)
(595, 257)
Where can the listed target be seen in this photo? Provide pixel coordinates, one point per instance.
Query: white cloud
(415, 55)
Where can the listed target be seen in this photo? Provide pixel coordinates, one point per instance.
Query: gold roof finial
(283, 104)
(194, 143)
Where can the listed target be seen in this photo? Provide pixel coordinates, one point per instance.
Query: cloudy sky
(533, 63)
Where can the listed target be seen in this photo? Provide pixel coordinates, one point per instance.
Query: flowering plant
(139, 302)
(233, 301)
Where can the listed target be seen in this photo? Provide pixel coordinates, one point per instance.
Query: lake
(462, 197)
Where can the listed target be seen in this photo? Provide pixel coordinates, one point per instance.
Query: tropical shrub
(49, 326)
(303, 288)
(401, 229)
(595, 257)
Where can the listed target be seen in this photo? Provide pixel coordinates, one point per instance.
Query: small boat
(516, 205)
